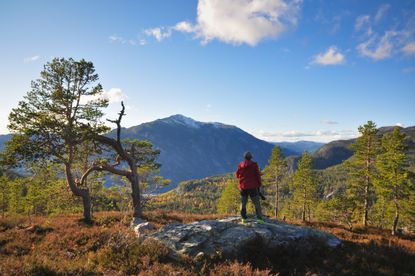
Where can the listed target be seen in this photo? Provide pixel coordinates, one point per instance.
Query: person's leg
(244, 201)
(256, 200)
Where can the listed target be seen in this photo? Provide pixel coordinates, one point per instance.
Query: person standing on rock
(249, 177)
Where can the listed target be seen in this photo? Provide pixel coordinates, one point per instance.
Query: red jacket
(249, 175)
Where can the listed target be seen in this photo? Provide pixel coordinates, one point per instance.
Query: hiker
(249, 177)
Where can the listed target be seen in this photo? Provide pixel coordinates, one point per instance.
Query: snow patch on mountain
(183, 120)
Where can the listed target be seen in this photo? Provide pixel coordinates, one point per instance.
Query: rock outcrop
(229, 238)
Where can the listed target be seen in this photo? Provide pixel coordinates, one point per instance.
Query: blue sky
(283, 70)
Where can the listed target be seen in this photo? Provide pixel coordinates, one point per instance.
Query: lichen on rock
(229, 238)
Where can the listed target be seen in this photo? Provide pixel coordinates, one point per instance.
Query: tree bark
(366, 205)
(367, 182)
(3, 207)
(81, 192)
(396, 219)
(304, 204)
(135, 188)
(303, 214)
(277, 199)
(86, 201)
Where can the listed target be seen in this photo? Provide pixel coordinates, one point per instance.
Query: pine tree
(304, 185)
(393, 182)
(53, 120)
(229, 200)
(274, 175)
(362, 168)
(17, 193)
(4, 189)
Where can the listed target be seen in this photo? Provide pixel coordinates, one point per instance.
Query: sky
(282, 70)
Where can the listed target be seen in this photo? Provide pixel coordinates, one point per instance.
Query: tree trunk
(303, 214)
(83, 193)
(3, 207)
(366, 206)
(304, 204)
(277, 200)
(367, 183)
(135, 192)
(396, 219)
(309, 213)
(86, 201)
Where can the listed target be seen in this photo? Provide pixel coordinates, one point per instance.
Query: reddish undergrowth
(66, 245)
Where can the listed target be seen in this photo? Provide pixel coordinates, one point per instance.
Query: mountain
(192, 149)
(300, 146)
(336, 152)
(332, 153)
(3, 139)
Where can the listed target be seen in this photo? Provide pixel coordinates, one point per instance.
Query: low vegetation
(64, 244)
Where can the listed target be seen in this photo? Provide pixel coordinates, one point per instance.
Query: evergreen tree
(59, 113)
(304, 185)
(393, 182)
(274, 175)
(17, 192)
(229, 200)
(4, 190)
(362, 169)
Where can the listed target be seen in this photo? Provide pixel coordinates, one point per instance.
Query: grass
(65, 245)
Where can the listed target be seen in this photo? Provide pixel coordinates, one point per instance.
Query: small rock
(141, 227)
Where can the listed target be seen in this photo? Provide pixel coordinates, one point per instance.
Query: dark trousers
(253, 194)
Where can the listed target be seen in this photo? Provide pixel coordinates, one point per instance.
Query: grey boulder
(229, 238)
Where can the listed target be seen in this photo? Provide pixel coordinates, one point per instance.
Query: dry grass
(66, 245)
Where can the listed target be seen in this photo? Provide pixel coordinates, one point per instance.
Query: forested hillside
(364, 193)
(335, 193)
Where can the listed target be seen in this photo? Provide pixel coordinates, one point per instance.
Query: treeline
(45, 192)
(60, 120)
(374, 187)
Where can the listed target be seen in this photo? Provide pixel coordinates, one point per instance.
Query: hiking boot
(260, 221)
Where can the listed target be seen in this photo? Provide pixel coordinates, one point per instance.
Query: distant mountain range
(194, 150)
(3, 139)
(299, 147)
(336, 152)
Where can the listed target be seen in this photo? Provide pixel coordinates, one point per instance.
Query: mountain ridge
(192, 149)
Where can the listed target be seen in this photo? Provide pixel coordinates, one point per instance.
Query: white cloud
(317, 135)
(378, 48)
(237, 21)
(409, 48)
(245, 21)
(362, 22)
(117, 39)
(396, 39)
(399, 125)
(133, 42)
(381, 12)
(185, 27)
(331, 57)
(159, 33)
(114, 95)
(329, 122)
(31, 59)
